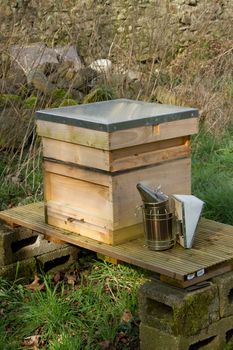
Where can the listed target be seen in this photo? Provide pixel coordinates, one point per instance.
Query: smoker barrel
(158, 226)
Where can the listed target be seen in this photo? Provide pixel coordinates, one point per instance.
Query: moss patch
(190, 318)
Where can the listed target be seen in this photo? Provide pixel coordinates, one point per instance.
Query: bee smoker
(157, 219)
(169, 220)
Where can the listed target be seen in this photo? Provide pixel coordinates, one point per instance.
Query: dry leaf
(127, 316)
(105, 345)
(35, 285)
(71, 279)
(57, 277)
(33, 340)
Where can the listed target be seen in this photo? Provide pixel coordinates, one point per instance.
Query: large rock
(32, 57)
(44, 66)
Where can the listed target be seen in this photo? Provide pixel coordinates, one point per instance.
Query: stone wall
(145, 29)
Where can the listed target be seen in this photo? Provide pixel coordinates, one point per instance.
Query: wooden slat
(27, 216)
(117, 139)
(73, 134)
(175, 263)
(128, 160)
(78, 173)
(118, 160)
(93, 199)
(76, 154)
(148, 147)
(95, 228)
(76, 214)
(147, 134)
(212, 272)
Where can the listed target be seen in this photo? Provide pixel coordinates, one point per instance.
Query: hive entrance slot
(17, 245)
(202, 343)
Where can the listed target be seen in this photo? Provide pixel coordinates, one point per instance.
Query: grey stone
(58, 259)
(209, 338)
(176, 311)
(40, 82)
(224, 284)
(154, 339)
(23, 269)
(32, 57)
(21, 243)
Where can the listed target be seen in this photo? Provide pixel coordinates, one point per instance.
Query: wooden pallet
(212, 253)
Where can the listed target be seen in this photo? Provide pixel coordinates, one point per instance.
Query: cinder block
(23, 269)
(224, 284)
(58, 259)
(210, 338)
(21, 243)
(175, 311)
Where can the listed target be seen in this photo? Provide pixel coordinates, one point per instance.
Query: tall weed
(212, 172)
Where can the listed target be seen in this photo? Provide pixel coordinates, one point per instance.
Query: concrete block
(175, 311)
(224, 284)
(24, 269)
(58, 259)
(210, 338)
(21, 243)
(155, 339)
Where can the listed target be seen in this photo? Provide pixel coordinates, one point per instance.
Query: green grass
(99, 93)
(73, 317)
(212, 173)
(21, 181)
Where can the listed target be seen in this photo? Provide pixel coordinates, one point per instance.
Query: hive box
(95, 154)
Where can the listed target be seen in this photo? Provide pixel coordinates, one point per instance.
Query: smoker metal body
(158, 226)
(165, 223)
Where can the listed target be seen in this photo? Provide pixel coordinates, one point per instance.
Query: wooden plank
(93, 199)
(172, 176)
(77, 227)
(78, 173)
(117, 139)
(216, 271)
(69, 213)
(126, 234)
(174, 264)
(122, 159)
(73, 134)
(148, 147)
(131, 252)
(147, 134)
(108, 259)
(129, 159)
(53, 239)
(94, 231)
(76, 154)
(205, 258)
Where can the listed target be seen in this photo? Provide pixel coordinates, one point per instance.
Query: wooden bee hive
(94, 155)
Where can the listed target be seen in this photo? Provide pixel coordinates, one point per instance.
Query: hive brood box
(95, 154)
